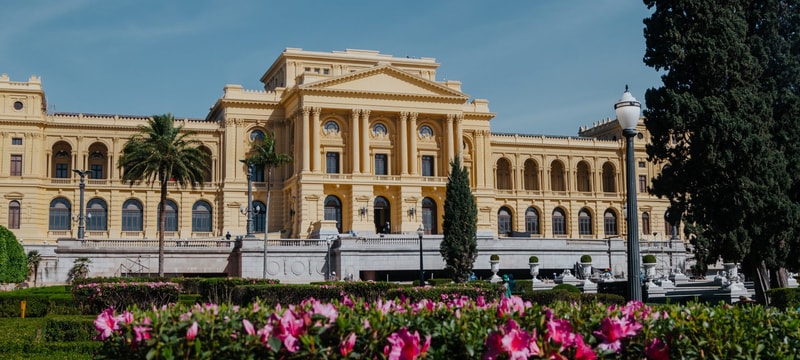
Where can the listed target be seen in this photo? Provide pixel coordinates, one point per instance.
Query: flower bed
(453, 328)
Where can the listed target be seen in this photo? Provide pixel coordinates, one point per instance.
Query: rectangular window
(380, 164)
(585, 225)
(559, 227)
(642, 183)
(610, 225)
(13, 215)
(16, 141)
(641, 164)
(332, 162)
(427, 165)
(97, 171)
(131, 220)
(61, 171)
(16, 165)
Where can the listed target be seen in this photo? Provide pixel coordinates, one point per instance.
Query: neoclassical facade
(371, 137)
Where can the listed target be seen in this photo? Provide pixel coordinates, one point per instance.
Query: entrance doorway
(382, 215)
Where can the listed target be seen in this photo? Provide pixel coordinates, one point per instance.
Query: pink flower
(142, 333)
(106, 324)
(256, 307)
(328, 310)
(582, 350)
(289, 328)
(126, 317)
(191, 333)
(559, 331)
(657, 350)
(494, 346)
(264, 335)
(405, 345)
(248, 327)
(346, 346)
(518, 343)
(613, 330)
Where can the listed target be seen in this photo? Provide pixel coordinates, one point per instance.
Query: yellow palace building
(371, 137)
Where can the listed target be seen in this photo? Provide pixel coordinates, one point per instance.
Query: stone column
(403, 143)
(412, 154)
(355, 151)
(459, 143)
(449, 141)
(303, 146)
(315, 133)
(479, 171)
(365, 130)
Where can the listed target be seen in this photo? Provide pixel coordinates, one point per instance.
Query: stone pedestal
(589, 287)
(654, 291)
(567, 278)
(677, 277)
(649, 270)
(495, 266)
(732, 292)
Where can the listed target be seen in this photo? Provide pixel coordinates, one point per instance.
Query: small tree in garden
(80, 269)
(459, 247)
(34, 258)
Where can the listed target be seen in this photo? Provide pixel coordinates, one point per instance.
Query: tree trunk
(162, 219)
(761, 282)
(779, 278)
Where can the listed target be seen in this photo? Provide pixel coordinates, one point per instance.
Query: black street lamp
(628, 110)
(420, 232)
(249, 207)
(82, 187)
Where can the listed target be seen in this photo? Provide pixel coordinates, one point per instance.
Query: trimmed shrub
(439, 281)
(69, 328)
(785, 298)
(494, 257)
(220, 290)
(533, 259)
(608, 299)
(94, 298)
(586, 259)
(649, 259)
(548, 297)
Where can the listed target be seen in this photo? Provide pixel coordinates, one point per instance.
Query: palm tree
(263, 153)
(34, 258)
(161, 153)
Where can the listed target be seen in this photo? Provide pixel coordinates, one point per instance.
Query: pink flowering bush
(95, 297)
(446, 328)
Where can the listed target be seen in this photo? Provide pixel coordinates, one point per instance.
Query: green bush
(522, 286)
(13, 262)
(470, 290)
(94, 298)
(220, 290)
(586, 259)
(608, 299)
(439, 281)
(649, 259)
(548, 297)
(69, 328)
(567, 287)
(785, 298)
(533, 259)
(494, 257)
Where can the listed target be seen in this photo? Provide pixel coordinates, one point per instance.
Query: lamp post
(329, 241)
(82, 187)
(249, 199)
(420, 232)
(627, 110)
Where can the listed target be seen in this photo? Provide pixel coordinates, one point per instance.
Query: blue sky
(546, 67)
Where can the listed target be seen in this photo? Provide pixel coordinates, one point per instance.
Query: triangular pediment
(385, 80)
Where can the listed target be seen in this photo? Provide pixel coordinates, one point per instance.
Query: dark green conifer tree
(725, 126)
(459, 246)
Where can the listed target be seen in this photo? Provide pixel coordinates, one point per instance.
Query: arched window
(429, 216)
(584, 177)
(256, 135)
(379, 129)
(201, 216)
(504, 221)
(531, 175)
(333, 210)
(532, 221)
(559, 222)
(646, 223)
(557, 181)
(132, 215)
(382, 215)
(60, 214)
(170, 215)
(96, 215)
(610, 222)
(425, 131)
(62, 156)
(609, 185)
(259, 216)
(503, 174)
(331, 127)
(13, 214)
(669, 228)
(584, 222)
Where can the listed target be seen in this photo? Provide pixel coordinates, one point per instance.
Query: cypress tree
(459, 246)
(725, 124)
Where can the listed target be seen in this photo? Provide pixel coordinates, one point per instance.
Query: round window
(331, 127)
(425, 131)
(379, 129)
(257, 135)
(18, 105)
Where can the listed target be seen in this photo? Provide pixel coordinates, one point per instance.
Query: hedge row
(26, 338)
(37, 305)
(95, 297)
(787, 298)
(69, 328)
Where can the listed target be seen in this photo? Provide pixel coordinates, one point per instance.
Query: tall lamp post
(249, 199)
(420, 232)
(82, 187)
(627, 110)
